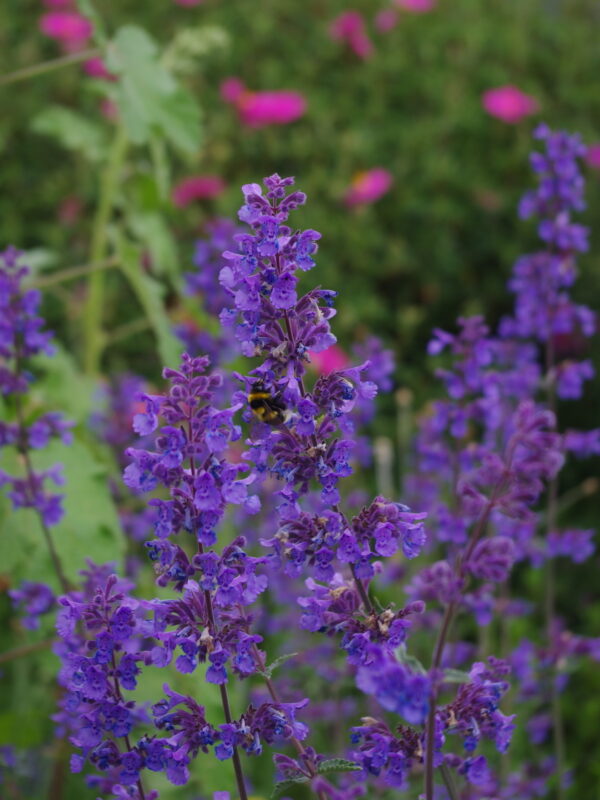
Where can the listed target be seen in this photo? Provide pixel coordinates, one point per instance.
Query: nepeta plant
(364, 580)
(21, 338)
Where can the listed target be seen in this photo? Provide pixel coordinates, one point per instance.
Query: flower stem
(71, 273)
(93, 336)
(30, 473)
(447, 620)
(43, 67)
(271, 688)
(25, 650)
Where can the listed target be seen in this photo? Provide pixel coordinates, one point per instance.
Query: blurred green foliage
(439, 244)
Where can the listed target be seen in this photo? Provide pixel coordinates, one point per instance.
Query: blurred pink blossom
(197, 187)
(329, 360)
(416, 6)
(68, 27)
(350, 28)
(386, 19)
(96, 68)
(509, 104)
(257, 109)
(593, 155)
(369, 186)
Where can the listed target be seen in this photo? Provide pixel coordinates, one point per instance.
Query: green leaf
(149, 293)
(284, 786)
(337, 765)
(179, 118)
(72, 130)
(411, 662)
(148, 96)
(150, 228)
(456, 676)
(270, 669)
(90, 527)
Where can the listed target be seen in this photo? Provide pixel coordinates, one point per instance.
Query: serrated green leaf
(151, 229)
(149, 293)
(284, 786)
(456, 676)
(148, 96)
(72, 130)
(337, 765)
(179, 117)
(270, 668)
(409, 661)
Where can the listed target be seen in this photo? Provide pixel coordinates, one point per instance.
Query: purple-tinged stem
(441, 642)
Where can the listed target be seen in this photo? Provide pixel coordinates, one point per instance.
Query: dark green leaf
(337, 765)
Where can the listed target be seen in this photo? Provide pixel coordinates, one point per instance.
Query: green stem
(71, 273)
(47, 66)
(25, 650)
(92, 317)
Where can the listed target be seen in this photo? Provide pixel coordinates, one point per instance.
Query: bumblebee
(267, 407)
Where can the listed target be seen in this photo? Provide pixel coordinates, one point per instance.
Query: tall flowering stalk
(209, 623)
(492, 386)
(310, 447)
(22, 337)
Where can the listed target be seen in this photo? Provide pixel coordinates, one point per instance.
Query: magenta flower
(197, 187)
(68, 27)
(386, 19)
(333, 359)
(257, 109)
(350, 28)
(367, 187)
(96, 68)
(416, 6)
(509, 104)
(593, 156)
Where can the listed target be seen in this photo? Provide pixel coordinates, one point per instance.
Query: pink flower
(96, 68)
(329, 360)
(369, 186)
(350, 28)
(70, 28)
(509, 104)
(593, 156)
(386, 19)
(257, 109)
(416, 6)
(197, 187)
